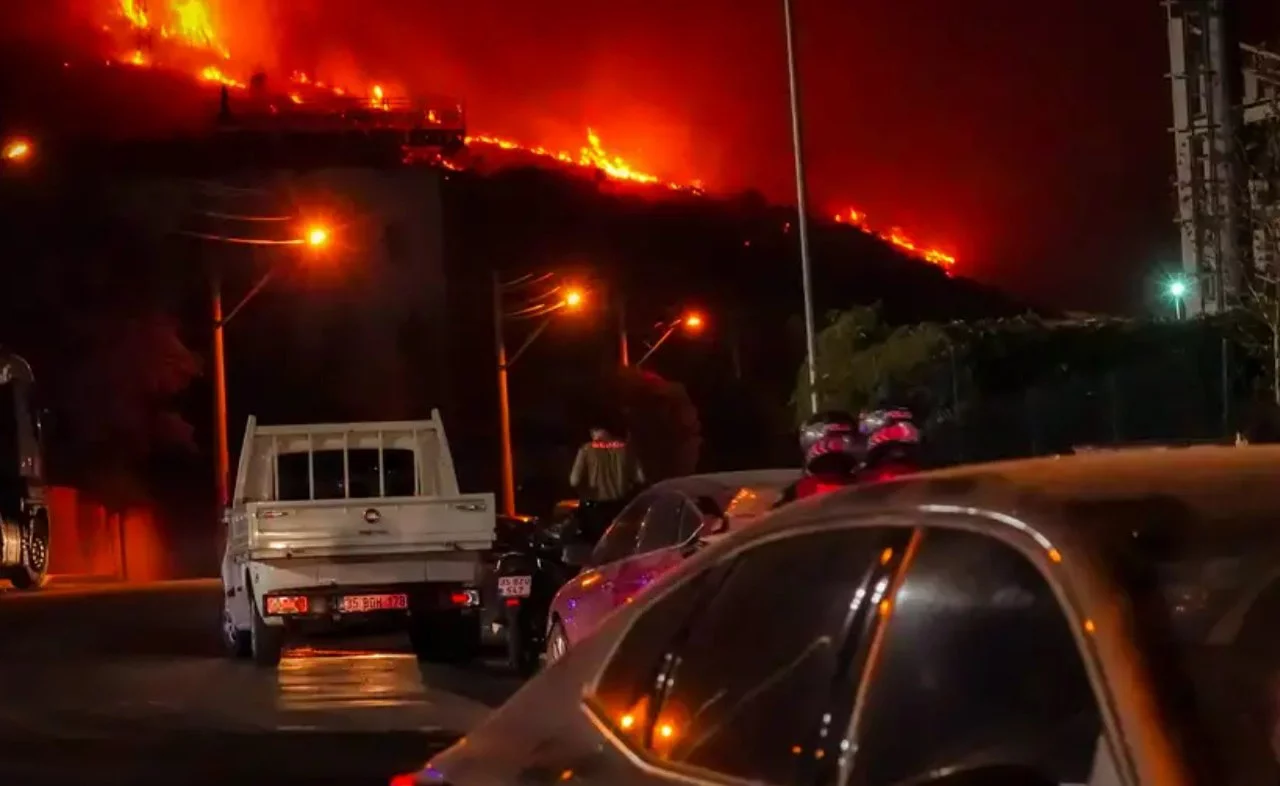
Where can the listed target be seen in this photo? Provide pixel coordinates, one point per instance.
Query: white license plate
(359, 603)
(515, 586)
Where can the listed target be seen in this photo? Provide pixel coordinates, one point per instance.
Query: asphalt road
(122, 685)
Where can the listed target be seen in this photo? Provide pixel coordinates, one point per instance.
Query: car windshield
(1204, 584)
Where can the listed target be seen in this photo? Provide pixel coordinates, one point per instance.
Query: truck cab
(24, 516)
(339, 526)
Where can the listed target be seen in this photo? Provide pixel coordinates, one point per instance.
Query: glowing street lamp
(691, 321)
(314, 236)
(544, 308)
(317, 236)
(1177, 288)
(17, 150)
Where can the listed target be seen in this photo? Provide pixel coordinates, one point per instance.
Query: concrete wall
(86, 540)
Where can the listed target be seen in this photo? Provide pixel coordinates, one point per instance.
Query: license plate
(515, 586)
(359, 603)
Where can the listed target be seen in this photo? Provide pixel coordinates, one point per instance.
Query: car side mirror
(714, 525)
(577, 555)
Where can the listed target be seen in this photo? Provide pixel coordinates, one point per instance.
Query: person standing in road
(605, 469)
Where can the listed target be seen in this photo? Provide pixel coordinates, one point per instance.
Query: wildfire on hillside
(184, 34)
(896, 237)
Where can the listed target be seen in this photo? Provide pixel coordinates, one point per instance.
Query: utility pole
(504, 404)
(624, 353)
(802, 220)
(222, 458)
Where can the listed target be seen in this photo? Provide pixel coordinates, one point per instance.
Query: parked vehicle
(339, 525)
(532, 559)
(661, 527)
(24, 516)
(1106, 619)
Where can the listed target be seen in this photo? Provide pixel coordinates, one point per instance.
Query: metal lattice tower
(1220, 88)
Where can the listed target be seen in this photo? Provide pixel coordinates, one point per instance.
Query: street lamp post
(569, 298)
(315, 237)
(802, 221)
(692, 321)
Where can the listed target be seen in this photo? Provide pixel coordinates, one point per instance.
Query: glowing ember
(191, 24)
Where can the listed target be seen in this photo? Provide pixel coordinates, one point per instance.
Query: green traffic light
(1177, 288)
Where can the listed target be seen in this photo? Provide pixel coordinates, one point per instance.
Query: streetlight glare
(574, 298)
(693, 321)
(1177, 288)
(317, 236)
(16, 149)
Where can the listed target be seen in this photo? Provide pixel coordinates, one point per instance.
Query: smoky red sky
(1028, 138)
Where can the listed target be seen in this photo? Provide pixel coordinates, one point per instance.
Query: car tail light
(287, 604)
(513, 602)
(464, 598)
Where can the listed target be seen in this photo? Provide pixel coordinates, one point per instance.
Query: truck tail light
(287, 604)
(464, 598)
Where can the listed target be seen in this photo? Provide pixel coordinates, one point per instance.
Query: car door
(590, 596)
(670, 521)
(738, 682)
(977, 674)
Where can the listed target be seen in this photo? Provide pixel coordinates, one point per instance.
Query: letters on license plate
(358, 603)
(515, 586)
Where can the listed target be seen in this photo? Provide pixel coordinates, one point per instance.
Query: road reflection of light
(343, 679)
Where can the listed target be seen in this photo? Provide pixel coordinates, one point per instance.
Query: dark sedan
(1101, 619)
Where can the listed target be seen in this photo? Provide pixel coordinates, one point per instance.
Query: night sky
(1030, 139)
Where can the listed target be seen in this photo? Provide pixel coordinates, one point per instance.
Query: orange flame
(896, 237)
(189, 21)
(191, 24)
(592, 156)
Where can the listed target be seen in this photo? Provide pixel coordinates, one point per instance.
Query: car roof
(722, 486)
(1193, 484)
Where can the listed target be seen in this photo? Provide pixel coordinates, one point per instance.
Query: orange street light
(317, 236)
(541, 307)
(691, 321)
(17, 149)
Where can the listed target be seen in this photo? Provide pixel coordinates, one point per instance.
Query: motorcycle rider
(892, 444)
(833, 451)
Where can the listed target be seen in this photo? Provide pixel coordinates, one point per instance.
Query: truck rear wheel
(266, 643)
(237, 643)
(445, 636)
(33, 571)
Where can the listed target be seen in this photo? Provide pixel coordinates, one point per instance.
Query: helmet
(891, 435)
(830, 443)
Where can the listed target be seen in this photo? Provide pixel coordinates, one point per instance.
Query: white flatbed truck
(339, 526)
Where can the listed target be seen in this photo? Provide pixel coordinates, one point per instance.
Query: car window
(619, 541)
(750, 684)
(978, 666)
(623, 693)
(661, 528)
(366, 477)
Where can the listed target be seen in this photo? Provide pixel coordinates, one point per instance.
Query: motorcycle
(532, 560)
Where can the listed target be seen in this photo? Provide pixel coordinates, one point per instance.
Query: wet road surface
(119, 684)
